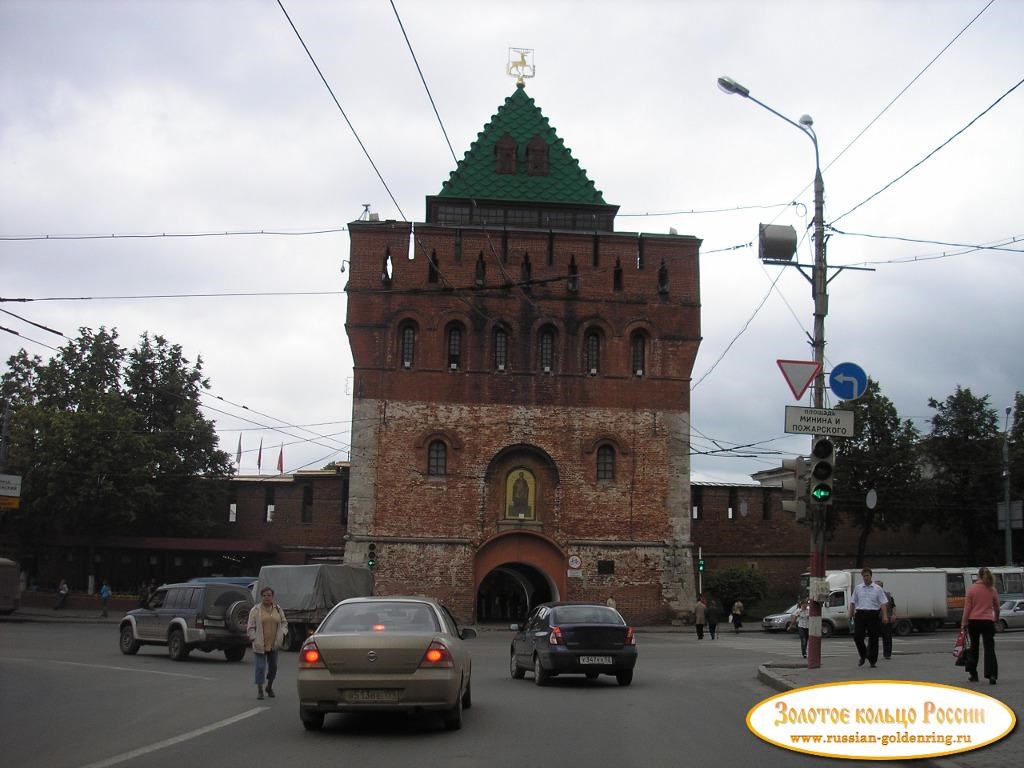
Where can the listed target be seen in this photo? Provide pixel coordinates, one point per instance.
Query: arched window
(480, 274)
(547, 350)
(437, 459)
(408, 344)
(500, 349)
(605, 463)
(639, 353)
(454, 348)
(593, 352)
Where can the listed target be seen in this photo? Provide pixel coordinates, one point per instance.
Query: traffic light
(700, 565)
(371, 555)
(796, 484)
(822, 470)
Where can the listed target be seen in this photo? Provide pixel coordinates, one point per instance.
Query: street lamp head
(806, 120)
(728, 85)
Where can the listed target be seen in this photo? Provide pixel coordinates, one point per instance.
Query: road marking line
(174, 740)
(130, 669)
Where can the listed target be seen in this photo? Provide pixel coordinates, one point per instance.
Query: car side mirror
(514, 627)
(467, 633)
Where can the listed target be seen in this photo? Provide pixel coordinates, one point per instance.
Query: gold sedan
(376, 654)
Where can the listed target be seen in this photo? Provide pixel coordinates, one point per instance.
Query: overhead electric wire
(176, 296)
(930, 154)
(152, 235)
(973, 247)
(342, 111)
(906, 87)
(709, 210)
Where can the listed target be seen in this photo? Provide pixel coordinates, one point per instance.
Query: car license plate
(371, 695)
(595, 659)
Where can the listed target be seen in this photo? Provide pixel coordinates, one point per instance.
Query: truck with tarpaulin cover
(307, 592)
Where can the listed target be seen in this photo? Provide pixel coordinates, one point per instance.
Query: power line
(342, 111)
(152, 235)
(930, 154)
(1014, 239)
(906, 87)
(176, 296)
(693, 212)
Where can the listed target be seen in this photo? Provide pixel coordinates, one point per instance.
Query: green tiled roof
(476, 175)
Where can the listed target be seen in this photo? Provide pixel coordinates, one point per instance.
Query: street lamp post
(819, 293)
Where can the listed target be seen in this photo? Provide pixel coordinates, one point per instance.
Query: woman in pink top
(981, 611)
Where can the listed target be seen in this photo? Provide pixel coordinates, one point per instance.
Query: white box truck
(920, 595)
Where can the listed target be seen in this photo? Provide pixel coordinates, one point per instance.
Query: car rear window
(390, 616)
(586, 614)
(220, 597)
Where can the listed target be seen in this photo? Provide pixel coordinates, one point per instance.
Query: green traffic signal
(822, 492)
(371, 556)
(700, 564)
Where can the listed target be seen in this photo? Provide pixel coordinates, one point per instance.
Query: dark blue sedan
(573, 639)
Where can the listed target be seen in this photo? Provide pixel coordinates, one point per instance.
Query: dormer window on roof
(537, 156)
(505, 154)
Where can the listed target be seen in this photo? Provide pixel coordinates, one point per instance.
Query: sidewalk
(936, 667)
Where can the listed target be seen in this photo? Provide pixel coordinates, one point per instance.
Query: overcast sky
(195, 117)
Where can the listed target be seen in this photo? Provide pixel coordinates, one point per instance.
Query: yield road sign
(848, 381)
(799, 374)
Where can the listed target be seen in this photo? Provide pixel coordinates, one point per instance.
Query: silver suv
(187, 617)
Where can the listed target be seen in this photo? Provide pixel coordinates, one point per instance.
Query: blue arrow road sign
(848, 381)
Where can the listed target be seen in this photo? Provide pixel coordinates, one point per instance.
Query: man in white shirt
(867, 604)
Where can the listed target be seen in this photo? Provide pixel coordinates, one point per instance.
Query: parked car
(190, 616)
(1011, 615)
(779, 622)
(573, 638)
(373, 654)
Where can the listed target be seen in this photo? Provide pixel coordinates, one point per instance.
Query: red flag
(280, 460)
(259, 456)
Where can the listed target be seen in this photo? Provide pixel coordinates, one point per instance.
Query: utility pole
(819, 294)
(1006, 490)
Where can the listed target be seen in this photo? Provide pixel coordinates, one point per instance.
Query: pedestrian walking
(868, 610)
(104, 598)
(700, 615)
(712, 613)
(981, 612)
(267, 627)
(888, 625)
(801, 620)
(62, 595)
(737, 612)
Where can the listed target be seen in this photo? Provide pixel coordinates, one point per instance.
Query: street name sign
(799, 374)
(818, 421)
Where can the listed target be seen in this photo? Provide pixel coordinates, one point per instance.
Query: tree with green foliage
(881, 456)
(732, 584)
(963, 461)
(111, 441)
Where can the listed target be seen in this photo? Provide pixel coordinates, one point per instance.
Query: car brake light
(555, 638)
(200, 623)
(630, 637)
(378, 627)
(437, 657)
(309, 656)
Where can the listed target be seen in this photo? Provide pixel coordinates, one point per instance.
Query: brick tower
(520, 424)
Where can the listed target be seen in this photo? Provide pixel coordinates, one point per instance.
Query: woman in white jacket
(267, 627)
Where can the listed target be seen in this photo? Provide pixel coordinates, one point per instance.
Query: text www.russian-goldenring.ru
(885, 740)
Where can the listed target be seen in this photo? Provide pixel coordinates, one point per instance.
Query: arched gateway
(515, 571)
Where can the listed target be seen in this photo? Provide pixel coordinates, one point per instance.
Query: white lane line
(174, 740)
(129, 669)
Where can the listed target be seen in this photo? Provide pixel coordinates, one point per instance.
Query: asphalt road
(70, 699)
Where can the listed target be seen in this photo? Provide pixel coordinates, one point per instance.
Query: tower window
(408, 345)
(454, 348)
(500, 349)
(593, 353)
(432, 272)
(605, 463)
(547, 351)
(437, 459)
(639, 350)
(537, 157)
